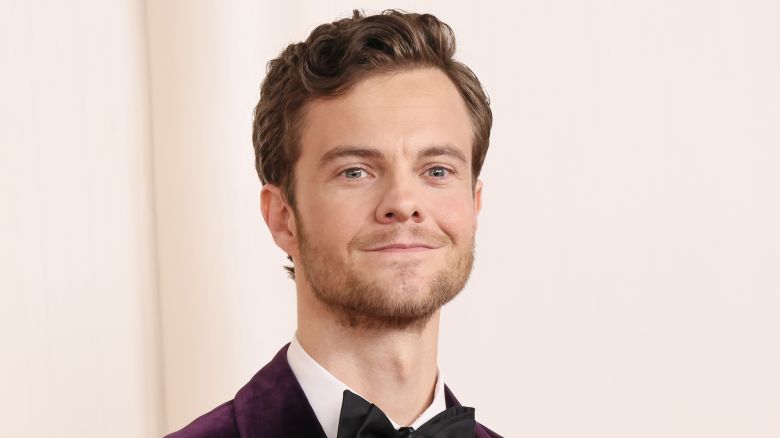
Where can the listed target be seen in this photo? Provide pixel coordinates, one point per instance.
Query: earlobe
(279, 218)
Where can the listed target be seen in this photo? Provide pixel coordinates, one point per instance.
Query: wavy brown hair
(335, 57)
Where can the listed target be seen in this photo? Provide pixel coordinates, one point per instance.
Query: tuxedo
(273, 405)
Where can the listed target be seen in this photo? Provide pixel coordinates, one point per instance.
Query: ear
(279, 217)
(477, 200)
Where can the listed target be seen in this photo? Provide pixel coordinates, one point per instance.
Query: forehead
(396, 112)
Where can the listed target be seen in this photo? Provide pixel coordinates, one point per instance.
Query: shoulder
(220, 422)
(483, 432)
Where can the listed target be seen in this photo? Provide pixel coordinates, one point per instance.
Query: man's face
(385, 211)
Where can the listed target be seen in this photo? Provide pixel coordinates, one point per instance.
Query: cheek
(455, 216)
(332, 220)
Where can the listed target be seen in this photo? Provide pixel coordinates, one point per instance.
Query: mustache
(414, 234)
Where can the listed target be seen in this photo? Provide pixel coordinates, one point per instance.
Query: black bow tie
(361, 419)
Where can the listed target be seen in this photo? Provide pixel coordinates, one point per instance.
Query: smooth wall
(78, 299)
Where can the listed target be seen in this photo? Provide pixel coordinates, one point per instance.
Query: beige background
(627, 279)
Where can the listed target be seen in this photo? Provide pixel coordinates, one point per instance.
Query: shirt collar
(325, 392)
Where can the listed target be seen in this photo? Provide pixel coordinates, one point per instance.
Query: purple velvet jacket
(273, 405)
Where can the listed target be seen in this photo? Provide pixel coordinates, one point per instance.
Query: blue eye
(353, 173)
(438, 172)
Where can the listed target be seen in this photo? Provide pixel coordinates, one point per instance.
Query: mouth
(402, 248)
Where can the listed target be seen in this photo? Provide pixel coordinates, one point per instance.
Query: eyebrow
(349, 151)
(368, 152)
(445, 150)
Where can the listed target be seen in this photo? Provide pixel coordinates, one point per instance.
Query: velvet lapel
(449, 398)
(480, 431)
(273, 404)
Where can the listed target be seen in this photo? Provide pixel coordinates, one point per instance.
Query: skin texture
(383, 231)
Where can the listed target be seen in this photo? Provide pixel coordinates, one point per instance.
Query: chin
(417, 288)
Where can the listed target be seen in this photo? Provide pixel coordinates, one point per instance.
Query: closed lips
(402, 247)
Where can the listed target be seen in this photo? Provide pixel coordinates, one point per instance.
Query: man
(369, 139)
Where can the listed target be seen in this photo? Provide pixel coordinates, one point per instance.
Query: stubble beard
(363, 303)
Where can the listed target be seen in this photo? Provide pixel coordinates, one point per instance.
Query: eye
(438, 172)
(353, 173)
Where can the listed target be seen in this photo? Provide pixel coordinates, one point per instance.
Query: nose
(399, 202)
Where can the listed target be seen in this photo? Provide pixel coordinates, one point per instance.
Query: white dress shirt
(325, 392)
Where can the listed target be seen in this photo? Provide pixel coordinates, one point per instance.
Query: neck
(394, 369)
